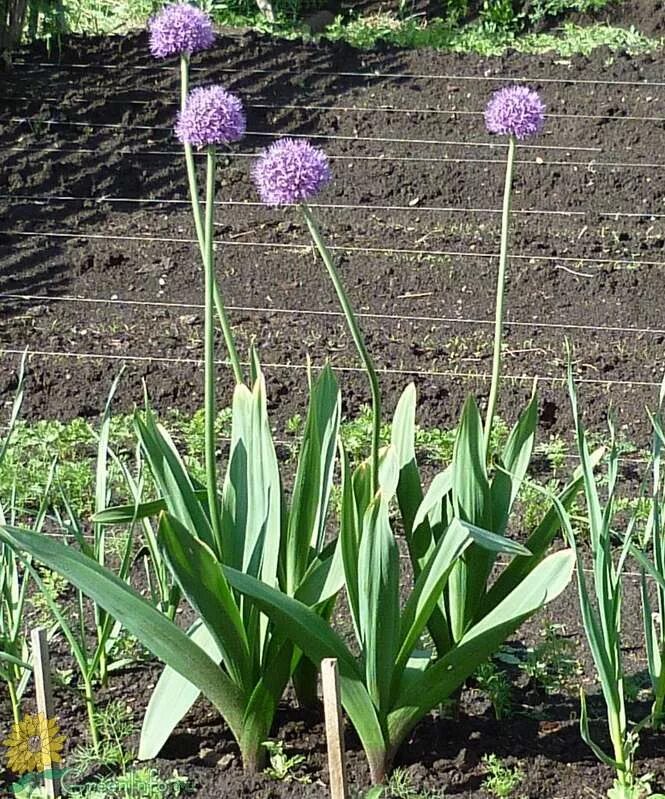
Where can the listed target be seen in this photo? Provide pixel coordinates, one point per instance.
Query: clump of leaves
(282, 766)
(495, 684)
(552, 663)
(501, 780)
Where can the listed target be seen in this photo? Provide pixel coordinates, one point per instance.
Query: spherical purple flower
(180, 29)
(211, 116)
(290, 171)
(515, 111)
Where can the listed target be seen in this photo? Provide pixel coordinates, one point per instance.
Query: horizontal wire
(41, 199)
(387, 370)
(591, 164)
(337, 314)
(345, 109)
(327, 136)
(347, 74)
(307, 247)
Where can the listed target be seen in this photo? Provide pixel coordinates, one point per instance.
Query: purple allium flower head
(180, 29)
(290, 171)
(515, 111)
(211, 116)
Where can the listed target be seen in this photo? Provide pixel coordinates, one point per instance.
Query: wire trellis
(307, 247)
(303, 367)
(296, 312)
(371, 75)
(342, 109)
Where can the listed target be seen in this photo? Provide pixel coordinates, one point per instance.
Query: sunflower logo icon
(34, 744)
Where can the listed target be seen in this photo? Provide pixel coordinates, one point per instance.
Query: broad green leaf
(428, 588)
(471, 489)
(378, 584)
(472, 503)
(161, 636)
(324, 578)
(269, 688)
(439, 681)
(439, 489)
(172, 698)
(388, 472)
(252, 503)
(252, 491)
(409, 488)
(126, 514)
(202, 581)
(537, 543)
(349, 539)
(314, 476)
(172, 478)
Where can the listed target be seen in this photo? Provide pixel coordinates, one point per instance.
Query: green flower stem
(358, 339)
(13, 698)
(91, 710)
(500, 296)
(209, 353)
(200, 232)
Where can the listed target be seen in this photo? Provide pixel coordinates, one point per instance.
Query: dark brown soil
(106, 280)
(581, 266)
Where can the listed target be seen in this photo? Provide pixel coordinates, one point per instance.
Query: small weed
(400, 786)
(55, 586)
(282, 767)
(552, 663)
(115, 725)
(496, 686)
(501, 780)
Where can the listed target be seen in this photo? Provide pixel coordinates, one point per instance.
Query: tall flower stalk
(516, 112)
(212, 116)
(182, 30)
(291, 172)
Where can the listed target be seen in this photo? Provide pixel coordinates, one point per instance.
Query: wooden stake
(332, 706)
(41, 666)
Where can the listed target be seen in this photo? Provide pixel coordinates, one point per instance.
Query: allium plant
(516, 112)
(601, 606)
(291, 172)
(396, 679)
(653, 544)
(231, 653)
(180, 29)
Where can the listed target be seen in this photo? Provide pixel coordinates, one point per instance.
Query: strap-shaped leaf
(428, 588)
(157, 633)
(126, 514)
(252, 503)
(517, 451)
(202, 581)
(472, 503)
(438, 682)
(349, 539)
(251, 515)
(172, 478)
(471, 489)
(378, 584)
(314, 477)
(537, 543)
(409, 488)
(172, 698)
